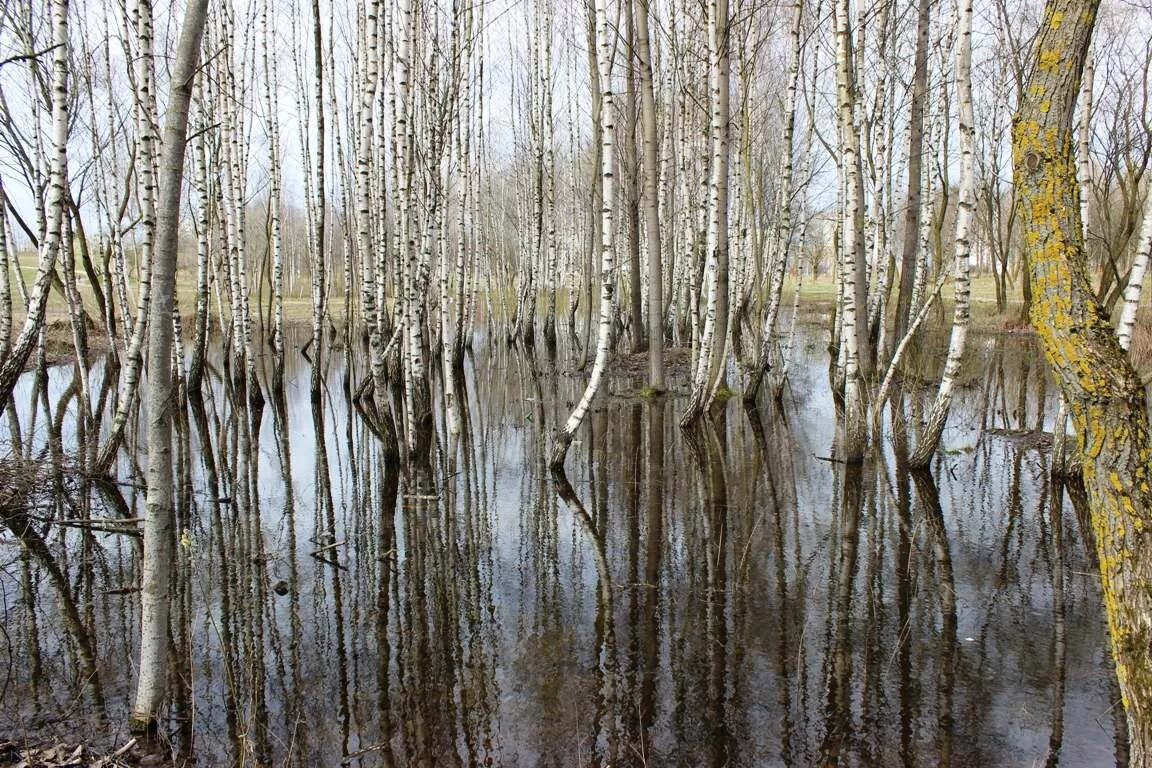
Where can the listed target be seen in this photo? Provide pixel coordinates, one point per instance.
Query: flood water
(728, 596)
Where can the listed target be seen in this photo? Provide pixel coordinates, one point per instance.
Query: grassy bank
(817, 296)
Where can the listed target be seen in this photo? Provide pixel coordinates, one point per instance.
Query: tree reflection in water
(729, 595)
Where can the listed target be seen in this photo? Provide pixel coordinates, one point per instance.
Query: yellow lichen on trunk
(1103, 394)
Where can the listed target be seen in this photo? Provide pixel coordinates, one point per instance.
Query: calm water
(728, 596)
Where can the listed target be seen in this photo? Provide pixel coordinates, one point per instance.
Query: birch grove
(680, 201)
(397, 133)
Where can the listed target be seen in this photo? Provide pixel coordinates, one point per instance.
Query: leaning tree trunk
(203, 251)
(938, 416)
(15, 359)
(782, 231)
(604, 56)
(1136, 278)
(146, 148)
(1102, 391)
(5, 284)
(159, 512)
(1084, 166)
(904, 303)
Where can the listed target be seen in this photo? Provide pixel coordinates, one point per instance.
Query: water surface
(732, 595)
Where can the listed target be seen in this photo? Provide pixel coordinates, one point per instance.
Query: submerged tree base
(143, 726)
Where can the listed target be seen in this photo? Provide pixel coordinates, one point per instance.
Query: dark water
(727, 596)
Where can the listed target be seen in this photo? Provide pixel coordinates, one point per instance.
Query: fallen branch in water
(898, 355)
(326, 547)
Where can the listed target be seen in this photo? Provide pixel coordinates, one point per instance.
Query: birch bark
(146, 122)
(159, 512)
(17, 357)
(938, 415)
(1136, 276)
(651, 201)
(908, 260)
(851, 274)
(782, 234)
(604, 61)
(711, 357)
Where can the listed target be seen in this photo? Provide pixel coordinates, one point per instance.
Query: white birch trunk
(711, 358)
(855, 434)
(159, 512)
(13, 363)
(5, 281)
(272, 107)
(203, 251)
(318, 208)
(146, 121)
(938, 415)
(651, 201)
(366, 239)
(782, 234)
(1136, 276)
(1083, 154)
(548, 136)
(604, 61)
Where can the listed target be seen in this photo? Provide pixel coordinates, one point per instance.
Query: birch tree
(548, 135)
(50, 243)
(851, 267)
(366, 226)
(782, 229)
(711, 358)
(605, 50)
(651, 206)
(159, 513)
(631, 162)
(5, 284)
(454, 268)
(272, 121)
(912, 208)
(938, 415)
(318, 208)
(1136, 274)
(143, 79)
